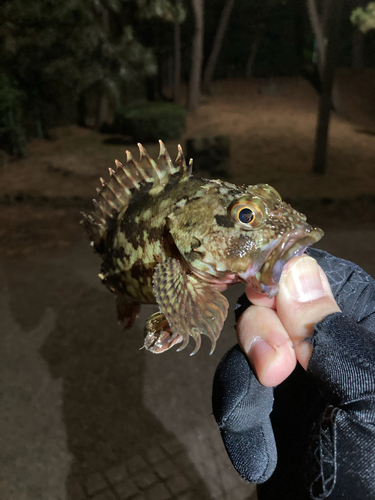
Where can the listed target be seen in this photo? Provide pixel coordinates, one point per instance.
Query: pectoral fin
(191, 306)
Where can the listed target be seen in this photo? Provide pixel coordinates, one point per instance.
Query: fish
(168, 238)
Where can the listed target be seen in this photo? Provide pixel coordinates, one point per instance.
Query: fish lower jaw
(270, 273)
(252, 273)
(264, 276)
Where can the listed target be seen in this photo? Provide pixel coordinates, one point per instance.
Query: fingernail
(303, 280)
(261, 355)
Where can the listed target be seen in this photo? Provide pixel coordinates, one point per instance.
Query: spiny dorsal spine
(115, 194)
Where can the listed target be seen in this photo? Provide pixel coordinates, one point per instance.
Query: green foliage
(364, 19)
(149, 122)
(162, 9)
(56, 51)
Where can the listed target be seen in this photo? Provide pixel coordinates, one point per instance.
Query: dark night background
(88, 415)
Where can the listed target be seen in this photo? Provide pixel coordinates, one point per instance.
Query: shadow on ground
(83, 413)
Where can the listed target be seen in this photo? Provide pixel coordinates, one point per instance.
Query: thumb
(304, 299)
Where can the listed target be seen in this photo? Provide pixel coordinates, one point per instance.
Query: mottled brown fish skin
(188, 218)
(171, 238)
(139, 239)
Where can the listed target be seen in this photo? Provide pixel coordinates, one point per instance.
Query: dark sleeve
(352, 287)
(342, 450)
(322, 420)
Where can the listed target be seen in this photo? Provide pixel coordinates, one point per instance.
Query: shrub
(151, 121)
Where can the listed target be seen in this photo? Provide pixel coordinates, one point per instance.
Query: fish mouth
(291, 245)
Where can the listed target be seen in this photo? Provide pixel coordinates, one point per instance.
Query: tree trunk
(299, 30)
(177, 61)
(224, 19)
(358, 49)
(319, 27)
(103, 110)
(318, 33)
(103, 104)
(253, 53)
(321, 139)
(196, 55)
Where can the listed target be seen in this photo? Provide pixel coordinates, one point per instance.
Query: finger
(304, 299)
(260, 299)
(265, 341)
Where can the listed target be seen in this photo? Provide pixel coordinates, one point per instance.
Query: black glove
(313, 436)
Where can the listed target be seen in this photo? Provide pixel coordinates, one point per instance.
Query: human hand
(323, 414)
(274, 332)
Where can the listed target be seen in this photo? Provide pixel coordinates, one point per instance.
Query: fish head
(247, 234)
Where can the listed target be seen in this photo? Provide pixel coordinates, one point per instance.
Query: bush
(149, 122)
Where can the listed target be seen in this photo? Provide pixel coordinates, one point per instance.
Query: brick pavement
(161, 472)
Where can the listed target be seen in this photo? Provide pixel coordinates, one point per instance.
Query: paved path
(90, 416)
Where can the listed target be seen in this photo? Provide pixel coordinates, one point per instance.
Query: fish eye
(247, 215)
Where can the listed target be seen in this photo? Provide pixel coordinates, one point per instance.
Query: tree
(332, 23)
(54, 71)
(196, 55)
(218, 41)
(364, 19)
(319, 26)
(254, 49)
(172, 12)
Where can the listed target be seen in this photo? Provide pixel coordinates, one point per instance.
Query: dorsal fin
(115, 194)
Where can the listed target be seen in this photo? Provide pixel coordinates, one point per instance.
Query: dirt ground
(271, 126)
